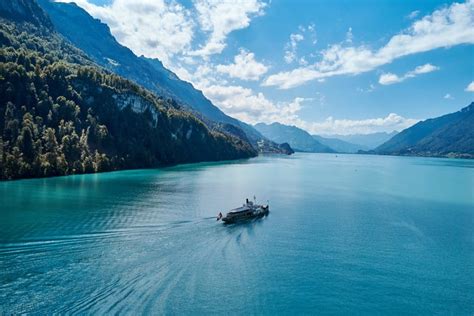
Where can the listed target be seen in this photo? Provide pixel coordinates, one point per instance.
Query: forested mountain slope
(450, 135)
(96, 40)
(61, 114)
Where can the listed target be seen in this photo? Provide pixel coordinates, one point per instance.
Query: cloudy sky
(327, 66)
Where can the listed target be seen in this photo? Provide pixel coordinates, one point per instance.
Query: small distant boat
(249, 210)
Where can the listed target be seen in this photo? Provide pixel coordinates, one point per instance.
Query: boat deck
(239, 210)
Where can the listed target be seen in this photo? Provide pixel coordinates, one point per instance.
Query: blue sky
(326, 66)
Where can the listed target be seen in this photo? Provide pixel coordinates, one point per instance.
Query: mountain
(366, 141)
(61, 114)
(339, 145)
(298, 139)
(268, 148)
(96, 40)
(25, 11)
(450, 135)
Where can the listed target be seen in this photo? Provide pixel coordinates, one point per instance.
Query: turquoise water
(346, 234)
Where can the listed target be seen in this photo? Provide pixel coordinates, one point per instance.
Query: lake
(346, 234)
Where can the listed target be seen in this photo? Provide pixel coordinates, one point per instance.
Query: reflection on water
(346, 233)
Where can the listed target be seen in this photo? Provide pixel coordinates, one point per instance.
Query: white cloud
(349, 36)
(311, 29)
(390, 78)
(153, 28)
(448, 96)
(303, 61)
(245, 67)
(204, 76)
(219, 18)
(344, 126)
(470, 87)
(424, 69)
(446, 27)
(413, 14)
(305, 32)
(180, 35)
(371, 88)
(293, 78)
(291, 47)
(251, 107)
(295, 38)
(245, 104)
(164, 28)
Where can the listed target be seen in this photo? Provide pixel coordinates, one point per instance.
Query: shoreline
(216, 162)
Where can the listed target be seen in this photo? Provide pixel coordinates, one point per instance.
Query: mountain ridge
(62, 114)
(339, 145)
(369, 141)
(25, 11)
(83, 30)
(450, 135)
(297, 138)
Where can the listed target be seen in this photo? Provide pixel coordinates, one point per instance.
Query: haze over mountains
(301, 140)
(339, 145)
(365, 141)
(450, 135)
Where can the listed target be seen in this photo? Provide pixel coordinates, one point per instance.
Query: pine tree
(25, 140)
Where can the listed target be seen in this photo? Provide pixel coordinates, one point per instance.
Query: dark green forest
(61, 114)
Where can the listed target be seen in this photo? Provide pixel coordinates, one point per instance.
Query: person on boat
(219, 216)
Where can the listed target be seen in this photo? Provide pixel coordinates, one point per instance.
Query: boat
(247, 211)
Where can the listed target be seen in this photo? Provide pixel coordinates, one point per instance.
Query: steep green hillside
(25, 11)
(450, 135)
(96, 40)
(60, 114)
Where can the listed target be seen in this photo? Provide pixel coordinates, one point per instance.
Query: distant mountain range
(450, 135)
(339, 145)
(365, 141)
(96, 40)
(299, 139)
